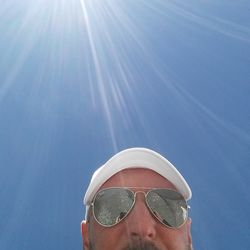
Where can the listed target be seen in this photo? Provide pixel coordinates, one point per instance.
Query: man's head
(137, 200)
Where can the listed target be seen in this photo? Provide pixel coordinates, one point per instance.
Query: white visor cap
(136, 158)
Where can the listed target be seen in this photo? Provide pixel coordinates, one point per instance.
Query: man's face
(140, 230)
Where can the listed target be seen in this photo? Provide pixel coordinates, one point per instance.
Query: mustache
(141, 245)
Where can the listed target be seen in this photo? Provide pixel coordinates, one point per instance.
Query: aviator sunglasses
(111, 205)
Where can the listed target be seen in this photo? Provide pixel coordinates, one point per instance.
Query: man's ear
(189, 222)
(85, 234)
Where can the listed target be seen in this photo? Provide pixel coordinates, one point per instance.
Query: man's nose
(141, 224)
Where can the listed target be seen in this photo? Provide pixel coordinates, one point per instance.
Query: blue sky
(81, 80)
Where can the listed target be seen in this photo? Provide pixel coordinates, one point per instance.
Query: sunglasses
(110, 206)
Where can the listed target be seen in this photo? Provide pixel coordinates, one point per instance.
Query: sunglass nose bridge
(136, 192)
(142, 195)
(140, 191)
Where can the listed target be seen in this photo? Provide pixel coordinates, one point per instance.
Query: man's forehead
(138, 177)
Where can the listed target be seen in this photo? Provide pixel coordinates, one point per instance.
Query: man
(137, 201)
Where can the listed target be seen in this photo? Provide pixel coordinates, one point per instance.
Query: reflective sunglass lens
(168, 206)
(112, 205)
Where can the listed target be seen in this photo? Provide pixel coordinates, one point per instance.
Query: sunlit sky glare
(83, 79)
